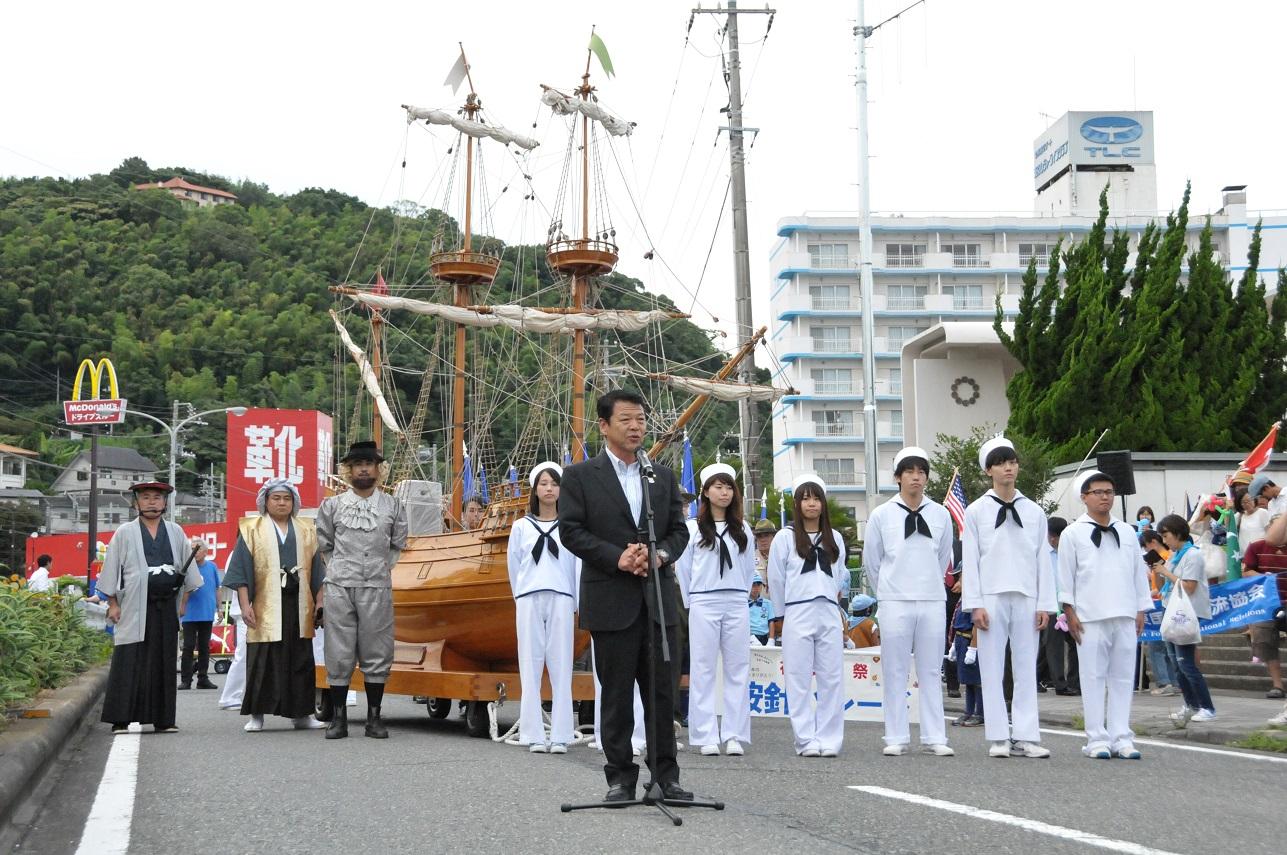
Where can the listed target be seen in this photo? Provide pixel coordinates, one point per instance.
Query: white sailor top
(795, 580)
(1001, 555)
(900, 567)
(538, 560)
(702, 570)
(1108, 580)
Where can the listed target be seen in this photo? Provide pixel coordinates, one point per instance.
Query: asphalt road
(430, 788)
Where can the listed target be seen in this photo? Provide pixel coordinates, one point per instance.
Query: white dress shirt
(631, 483)
(1105, 581)
(908, 568)
(1006, 558)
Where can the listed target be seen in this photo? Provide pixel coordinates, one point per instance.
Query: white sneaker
(938, 749)
(710, 750)
(1097, 752)
(999, 749)
(1029, 749)
(308, 722)
(1281, 718)
(638, 750)
(895, 750)
(1128, 751)
(255, 724)
(829, 752)
(1204, 715)
(810, 752)
(733, 748)
(537, 748)
(1182, 715)
(558, 748)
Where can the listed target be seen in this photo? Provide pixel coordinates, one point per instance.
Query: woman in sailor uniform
(807, 573)
(543, 577)
(715, 572)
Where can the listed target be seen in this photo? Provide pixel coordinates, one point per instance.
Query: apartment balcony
(794, 263)
(1043, 261)
(790, 348)
(809, 431)
(808, 390)
(856, 482)
(971, 262)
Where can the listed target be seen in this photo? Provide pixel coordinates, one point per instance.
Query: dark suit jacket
(595, 523)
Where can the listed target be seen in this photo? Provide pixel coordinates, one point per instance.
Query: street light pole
(173, 431)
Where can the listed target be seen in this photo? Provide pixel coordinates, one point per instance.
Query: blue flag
(686, 479)
(467, 479)
(782, 509)
(764, 504)
(482, 486)
(513, 474)
(1253, 599)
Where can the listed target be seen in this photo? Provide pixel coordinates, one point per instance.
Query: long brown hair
(732, 516)
(826, 540)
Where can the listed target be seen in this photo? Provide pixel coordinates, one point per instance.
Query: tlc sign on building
(293, 444)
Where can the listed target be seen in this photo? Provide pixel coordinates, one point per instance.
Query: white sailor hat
(910, 451)
(541, 467)
(1086, 479)
(717, 469)
(808, 478)
(990, 446)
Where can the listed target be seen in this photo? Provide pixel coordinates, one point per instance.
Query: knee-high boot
(374, 726)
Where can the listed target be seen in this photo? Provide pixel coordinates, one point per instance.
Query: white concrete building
(931, 270)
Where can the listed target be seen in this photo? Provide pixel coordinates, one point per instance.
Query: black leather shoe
(183, 687)
(204, 683)
(1065, 693)
(620, 793)
(671, 791)
(338, 727)
(374, 726)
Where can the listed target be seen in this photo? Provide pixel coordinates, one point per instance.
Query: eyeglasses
(1101, 494)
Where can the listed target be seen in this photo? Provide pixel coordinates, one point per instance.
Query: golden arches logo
(96, 371)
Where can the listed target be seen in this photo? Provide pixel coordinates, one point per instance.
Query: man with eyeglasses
(1103, 585)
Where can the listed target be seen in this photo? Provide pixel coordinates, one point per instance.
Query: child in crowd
(965, 655)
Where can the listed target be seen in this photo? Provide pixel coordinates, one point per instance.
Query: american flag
(955, 501)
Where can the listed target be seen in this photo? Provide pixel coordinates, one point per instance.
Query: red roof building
(189, 193)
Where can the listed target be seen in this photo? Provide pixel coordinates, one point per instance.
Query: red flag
(380, 287)
(1259, 456)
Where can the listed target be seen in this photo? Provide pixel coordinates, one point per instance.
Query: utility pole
(749, 441)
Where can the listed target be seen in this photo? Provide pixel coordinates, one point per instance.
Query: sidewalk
(1240, 715)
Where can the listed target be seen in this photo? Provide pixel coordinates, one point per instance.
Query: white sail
(368, 377)
(566, 105)
(721, 391)
(470, 128)
(520, 318)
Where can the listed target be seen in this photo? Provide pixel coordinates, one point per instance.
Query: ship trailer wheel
(438, 707)
(477, 721)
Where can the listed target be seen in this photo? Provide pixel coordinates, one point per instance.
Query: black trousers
(621, 658)
(1061, 659)
(953, 681)
(196, 637)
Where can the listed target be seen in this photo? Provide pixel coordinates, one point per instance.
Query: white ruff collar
(357, 512)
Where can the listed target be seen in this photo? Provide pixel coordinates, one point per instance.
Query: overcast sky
(307, 94)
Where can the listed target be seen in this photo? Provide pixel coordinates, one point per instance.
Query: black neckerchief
(1097, 536)
(725, 557)
(817, 558)
(1007, 506)
(915, 523)
(544, 536)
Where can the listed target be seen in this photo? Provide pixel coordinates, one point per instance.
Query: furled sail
(721, 391)
(478, 130)
(521, 318)
(368, 377)
(566, 105)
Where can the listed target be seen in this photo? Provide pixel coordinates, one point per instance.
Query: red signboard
(263, 444)
(69, 551)
(94, 411)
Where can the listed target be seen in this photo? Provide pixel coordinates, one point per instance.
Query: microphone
(645, 465)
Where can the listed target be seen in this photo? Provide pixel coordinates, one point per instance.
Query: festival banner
(1233, 604)
(266, 443)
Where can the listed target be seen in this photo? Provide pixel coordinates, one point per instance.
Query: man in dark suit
(601, 519)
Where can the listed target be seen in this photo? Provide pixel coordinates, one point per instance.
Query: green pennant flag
(601, 51)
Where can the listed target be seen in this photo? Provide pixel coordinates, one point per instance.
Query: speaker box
(1117, 465)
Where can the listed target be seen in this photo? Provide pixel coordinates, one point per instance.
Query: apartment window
(830, 297)
(830, 339)
(901, 297)
(965, 254)
(828, 256)
(116, 519)
(898, 335)
(833, 423)
(835, 470)
(904, 255)
(833, 381)
(895, 381)
(896, 423)
(1038, 251)
(966, 297)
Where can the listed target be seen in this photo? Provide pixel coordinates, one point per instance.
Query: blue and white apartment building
(932, 270)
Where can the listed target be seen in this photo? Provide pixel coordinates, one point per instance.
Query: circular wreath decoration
(971, 397)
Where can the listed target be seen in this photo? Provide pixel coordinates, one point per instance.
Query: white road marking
(1163, 743)
(107, 830)
(1071, 834)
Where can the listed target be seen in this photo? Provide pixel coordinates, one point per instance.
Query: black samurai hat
(365, 450)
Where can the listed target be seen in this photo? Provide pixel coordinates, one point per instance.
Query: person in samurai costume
(276, 571)
(360, 533)
(148, 563)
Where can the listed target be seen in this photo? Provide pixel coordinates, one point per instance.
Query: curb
(30, 746)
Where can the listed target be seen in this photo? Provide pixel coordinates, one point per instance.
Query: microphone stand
(660, 729)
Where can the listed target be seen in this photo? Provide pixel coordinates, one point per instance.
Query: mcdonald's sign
(95, 410)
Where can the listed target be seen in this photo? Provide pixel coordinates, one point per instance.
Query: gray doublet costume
(361, 540)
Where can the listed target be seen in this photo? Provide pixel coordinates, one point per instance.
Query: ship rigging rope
(665, 123)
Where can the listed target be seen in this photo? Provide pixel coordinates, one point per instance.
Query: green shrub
(43, 643)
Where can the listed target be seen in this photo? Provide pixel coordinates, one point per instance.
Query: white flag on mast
(457, 74)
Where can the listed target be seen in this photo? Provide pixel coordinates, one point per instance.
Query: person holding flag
(1008, 585)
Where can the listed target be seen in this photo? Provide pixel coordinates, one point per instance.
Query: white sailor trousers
(813, 648)
(913, 628)
(719, 625)
(1106, 660)
(234, 682)
(544, 623)
(1012, 617)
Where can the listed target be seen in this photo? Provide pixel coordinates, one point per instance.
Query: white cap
(990, 446)
(910, 451)
(541, 467)
(717, 469)
(808, 478)
(1085, 479)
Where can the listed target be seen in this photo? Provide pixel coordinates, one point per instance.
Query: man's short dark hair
(1097, 478)
(911, 463)
(608, 402)
(1055, 526)
(44, 561)
(1000, 455)
(474, 500)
